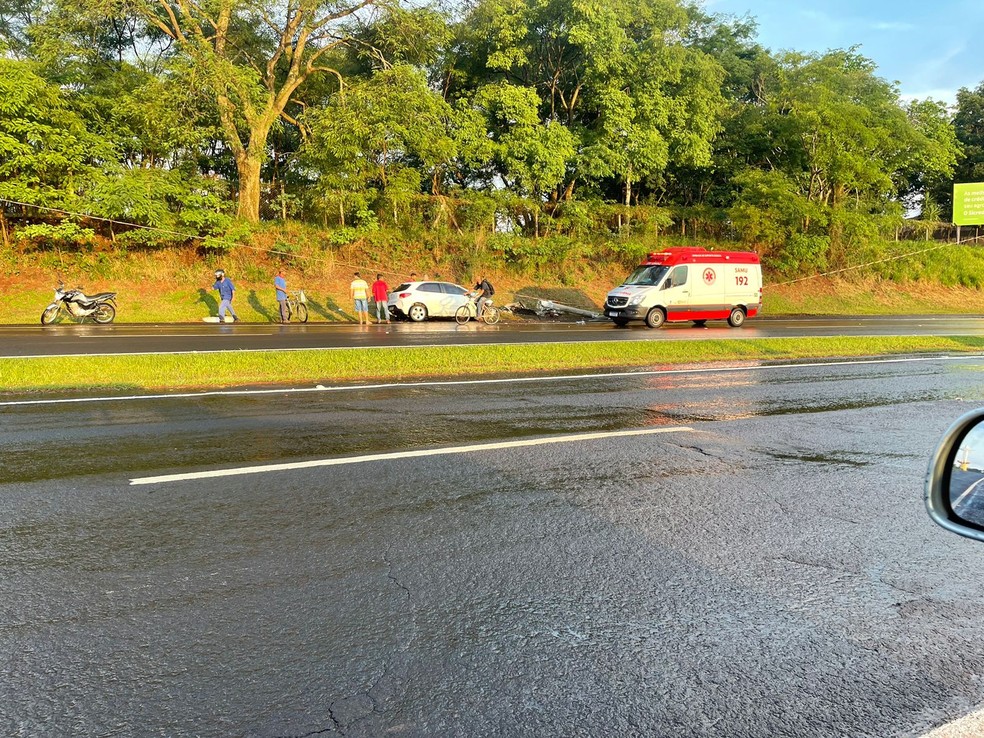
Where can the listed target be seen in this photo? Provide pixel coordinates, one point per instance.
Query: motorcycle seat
(100, 296)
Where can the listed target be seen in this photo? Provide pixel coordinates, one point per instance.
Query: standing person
(380, 293)
(226, 291)
(359, 291)
(413, 277)
(280, 285)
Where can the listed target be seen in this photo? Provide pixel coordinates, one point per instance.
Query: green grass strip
(249, 368)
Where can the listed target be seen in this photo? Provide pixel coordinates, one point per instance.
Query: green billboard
(968, 203)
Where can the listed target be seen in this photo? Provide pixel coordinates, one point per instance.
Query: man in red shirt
(380, 293)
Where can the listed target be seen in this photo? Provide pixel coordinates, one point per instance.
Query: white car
(422, 300)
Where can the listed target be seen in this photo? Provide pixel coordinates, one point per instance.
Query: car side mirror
(955, 480)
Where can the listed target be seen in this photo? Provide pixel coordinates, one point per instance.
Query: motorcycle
(101, 308)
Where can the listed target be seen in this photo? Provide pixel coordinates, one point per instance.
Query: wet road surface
(74, 339)
(770, 571)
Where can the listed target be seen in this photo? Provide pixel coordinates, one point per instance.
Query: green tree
(844, 139)
(254, 59)
(47, 154)
(530, 158)
(386, 132)
(617, 75)
(968, 128)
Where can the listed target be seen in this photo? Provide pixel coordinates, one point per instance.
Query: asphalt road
(967, 495)
(75, 339)
(757, 563)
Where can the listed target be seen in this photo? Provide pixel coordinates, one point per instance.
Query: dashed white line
(447, 451)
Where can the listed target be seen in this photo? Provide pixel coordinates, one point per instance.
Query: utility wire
(192, 236)
(859, 266)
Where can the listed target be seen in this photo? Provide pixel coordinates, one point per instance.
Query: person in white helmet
(226, 291)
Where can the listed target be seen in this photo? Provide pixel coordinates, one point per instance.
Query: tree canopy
(180, 113)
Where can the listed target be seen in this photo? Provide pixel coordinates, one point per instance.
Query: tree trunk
(248, 167)
(3, 229)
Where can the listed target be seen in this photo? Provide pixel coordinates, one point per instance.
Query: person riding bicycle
(483, 292)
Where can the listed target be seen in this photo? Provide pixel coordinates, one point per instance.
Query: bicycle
(490, 314)
(296, 306)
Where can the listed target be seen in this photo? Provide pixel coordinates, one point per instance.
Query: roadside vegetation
(550, 144)
(309, 367)
(173, 285)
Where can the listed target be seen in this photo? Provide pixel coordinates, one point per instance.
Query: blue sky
(930, 49)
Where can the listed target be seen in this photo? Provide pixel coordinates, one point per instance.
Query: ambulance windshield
(647, 275)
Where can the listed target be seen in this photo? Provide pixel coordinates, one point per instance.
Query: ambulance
(689, 284)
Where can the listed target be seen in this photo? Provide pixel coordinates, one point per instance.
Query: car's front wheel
(655, 317)
(417, 313)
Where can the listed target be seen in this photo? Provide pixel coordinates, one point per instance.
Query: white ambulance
(689, 284)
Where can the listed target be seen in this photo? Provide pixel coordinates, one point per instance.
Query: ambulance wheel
(737, 317)
(655, 317)
(700, 323)
(620, 322)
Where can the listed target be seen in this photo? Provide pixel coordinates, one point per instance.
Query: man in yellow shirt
(359, 291)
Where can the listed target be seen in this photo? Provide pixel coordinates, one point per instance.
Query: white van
(689, 284)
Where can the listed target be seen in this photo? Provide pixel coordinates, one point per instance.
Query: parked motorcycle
(101, 308)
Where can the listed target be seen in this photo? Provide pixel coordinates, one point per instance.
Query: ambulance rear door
(743, 285)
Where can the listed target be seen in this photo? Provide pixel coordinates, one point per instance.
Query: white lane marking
(968, 491)
(447, 451)
(968, 726)
(152, 335)
(501, 380)
(156, 335)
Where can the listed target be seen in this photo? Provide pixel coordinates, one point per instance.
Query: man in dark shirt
(483, 291)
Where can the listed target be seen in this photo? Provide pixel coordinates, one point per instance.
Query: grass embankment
(173, 285)
(237, 369)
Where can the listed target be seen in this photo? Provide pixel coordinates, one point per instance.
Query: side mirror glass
(955, 481)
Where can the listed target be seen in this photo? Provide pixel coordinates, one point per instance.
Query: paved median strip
(447, 451)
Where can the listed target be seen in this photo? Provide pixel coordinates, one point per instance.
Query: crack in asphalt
(389, 667)
(813, 565)
(389, 575)
(318, 732)
(699, 450)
